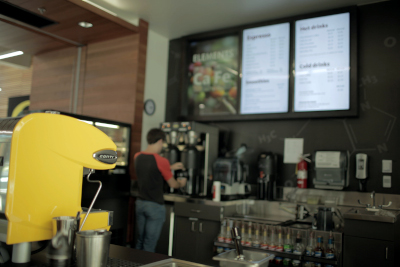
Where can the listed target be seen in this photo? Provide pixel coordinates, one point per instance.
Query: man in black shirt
(151, 171)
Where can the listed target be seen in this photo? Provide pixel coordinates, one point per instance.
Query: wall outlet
(387, 181)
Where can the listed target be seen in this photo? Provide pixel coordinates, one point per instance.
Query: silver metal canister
(67, 226)
(92, 248)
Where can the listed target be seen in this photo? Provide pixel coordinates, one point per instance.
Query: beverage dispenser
(171, 152)
(266, 182)
(197, 145)
(191, 159)
(41, 165)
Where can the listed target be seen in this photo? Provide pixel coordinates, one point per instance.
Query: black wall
(375, 132)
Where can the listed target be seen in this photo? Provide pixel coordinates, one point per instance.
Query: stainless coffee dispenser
(267, 169)
(196, 146)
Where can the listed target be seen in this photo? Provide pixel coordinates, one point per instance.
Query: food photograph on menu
(322, 64)
(213, 76)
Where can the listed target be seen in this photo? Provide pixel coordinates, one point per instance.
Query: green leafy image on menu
(213, 75)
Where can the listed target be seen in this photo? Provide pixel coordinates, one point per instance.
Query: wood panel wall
(14, 82)
(53, 80)
(110, 79)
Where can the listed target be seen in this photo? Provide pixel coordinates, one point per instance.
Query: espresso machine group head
(43, 157)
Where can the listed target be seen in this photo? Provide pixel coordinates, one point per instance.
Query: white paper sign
(293, 150)
(327, 159)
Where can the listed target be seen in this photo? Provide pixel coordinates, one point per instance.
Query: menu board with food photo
(213, 76)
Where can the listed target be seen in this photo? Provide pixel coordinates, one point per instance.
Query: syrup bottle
(319, 249)
(299, 246)
(330, 250)
(288, 247)
(221, 234)
(279, 246)
(256, 237)
(248, 241)
(264, 241)
(310, 247)
(272, 243)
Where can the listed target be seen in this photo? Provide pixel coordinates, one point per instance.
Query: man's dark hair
(154, 135)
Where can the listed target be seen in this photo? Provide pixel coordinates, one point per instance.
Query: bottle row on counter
(307, 242)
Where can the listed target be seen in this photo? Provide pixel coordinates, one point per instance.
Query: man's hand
(177, 166)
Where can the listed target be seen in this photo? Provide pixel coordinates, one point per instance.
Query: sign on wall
(213, 75)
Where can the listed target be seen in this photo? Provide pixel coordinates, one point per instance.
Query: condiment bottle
(264, 240)
(299, 246)
(256, 238)
(228, 235)
(244, 233)
(221, 234)
(319, 249)
(330, 250)
(288, 247)
(310, 247)
(279, 246)
(248, 241)
(272, 243)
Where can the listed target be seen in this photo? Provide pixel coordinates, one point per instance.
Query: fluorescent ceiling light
(12, 54)
(88, 122)
(106, 125)
(100, 7)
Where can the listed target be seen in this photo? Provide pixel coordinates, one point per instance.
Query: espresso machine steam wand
(94, 199)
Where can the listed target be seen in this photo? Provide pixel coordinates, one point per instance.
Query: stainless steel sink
(174, 263)
(378, 215)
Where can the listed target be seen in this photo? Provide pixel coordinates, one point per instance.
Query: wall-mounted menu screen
(265, 69)
(322, 63)
(212, 70)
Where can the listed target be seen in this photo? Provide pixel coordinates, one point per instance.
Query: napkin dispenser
(331, 169)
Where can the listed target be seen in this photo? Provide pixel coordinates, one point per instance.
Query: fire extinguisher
(302, 173)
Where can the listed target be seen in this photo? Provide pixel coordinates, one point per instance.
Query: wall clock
(149, 107)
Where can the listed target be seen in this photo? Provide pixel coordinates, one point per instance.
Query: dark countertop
(116, 252)
(135, 255)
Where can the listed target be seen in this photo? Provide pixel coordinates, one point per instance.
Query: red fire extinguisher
(302, 173)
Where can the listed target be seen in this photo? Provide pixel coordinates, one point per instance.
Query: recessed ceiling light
(12, 54)
(100, 7)
(85, 24)
(0, 89)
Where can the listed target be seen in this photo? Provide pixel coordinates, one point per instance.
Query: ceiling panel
(20, 36)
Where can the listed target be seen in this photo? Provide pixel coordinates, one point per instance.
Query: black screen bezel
(352, 112)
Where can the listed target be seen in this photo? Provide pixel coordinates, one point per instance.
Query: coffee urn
(266, 182)
(191, 160)
(172, 153)
(197, 146)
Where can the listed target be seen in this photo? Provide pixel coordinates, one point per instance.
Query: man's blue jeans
(150, 217)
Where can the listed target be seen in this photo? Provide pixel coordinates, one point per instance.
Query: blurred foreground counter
(118, 256)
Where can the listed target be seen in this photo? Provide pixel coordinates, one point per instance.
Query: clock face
(149, 107)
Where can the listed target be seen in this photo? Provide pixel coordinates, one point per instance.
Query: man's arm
(172, 182)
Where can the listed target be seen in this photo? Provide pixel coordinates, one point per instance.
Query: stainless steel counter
(182, 198)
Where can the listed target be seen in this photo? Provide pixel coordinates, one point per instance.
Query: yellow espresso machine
(42, 159)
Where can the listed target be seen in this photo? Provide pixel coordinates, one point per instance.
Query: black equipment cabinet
(195, 239)
(196, 227)
(370, 243)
